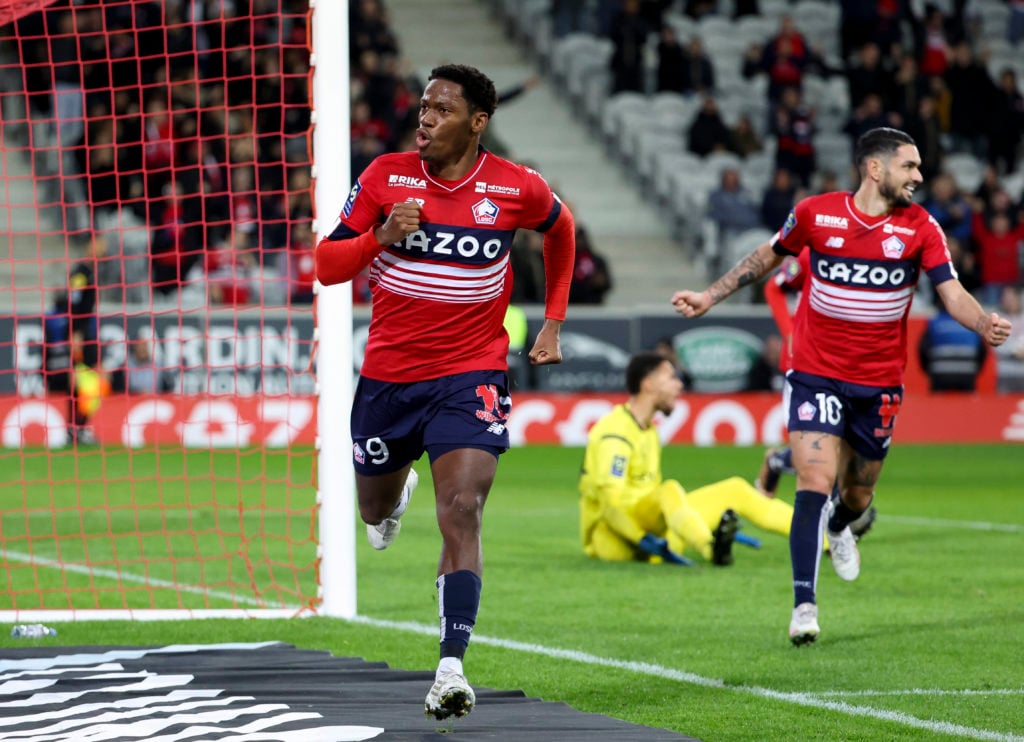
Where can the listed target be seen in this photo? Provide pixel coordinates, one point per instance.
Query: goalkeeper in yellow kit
(627, 511)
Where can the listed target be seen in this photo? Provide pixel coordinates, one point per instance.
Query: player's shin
(805, 543)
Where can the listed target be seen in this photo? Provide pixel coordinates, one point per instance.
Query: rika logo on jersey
(406, 181)
(485, 211)
(893, 247)
(351, 200)
(827, 220)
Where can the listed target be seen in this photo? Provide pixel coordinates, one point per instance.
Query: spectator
(744, 139)
(965, 263)
(926, 129)
(672, 59)
(731, 207)
(867, 75)
(973, 91)
(570, 16)
(908, 86)
(998, 239)
(784, 58)
(527, 260)
(591, 279)
(765, 374)
(697, 74)
(794, 129)
(778, 199)
(950, 354)
(1010, 355)
(708, 132)
(934, 44)
(301, 267)
(1005, 123)
(949, 207)
(869, 114)
(629, 32)
(142, 376)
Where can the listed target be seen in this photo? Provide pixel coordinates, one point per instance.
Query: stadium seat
(653, 144)
(965, 168)
(615, 107)
(1014, 184)
(590, 59)
(666, 168)
(834, 151)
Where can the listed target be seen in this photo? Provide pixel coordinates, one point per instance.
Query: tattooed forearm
(749, 270)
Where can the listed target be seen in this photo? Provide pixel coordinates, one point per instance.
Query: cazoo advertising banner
(248, 379)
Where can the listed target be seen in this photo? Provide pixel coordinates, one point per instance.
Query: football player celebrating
(435, 227)
(867, 251)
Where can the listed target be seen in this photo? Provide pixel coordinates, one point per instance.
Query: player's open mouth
(422, 138)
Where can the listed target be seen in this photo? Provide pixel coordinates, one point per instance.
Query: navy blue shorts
(863, 416)
(393, 424)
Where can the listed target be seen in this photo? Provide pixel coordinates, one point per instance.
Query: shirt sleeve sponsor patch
(351, 200)
(618, 466)
(789, 225)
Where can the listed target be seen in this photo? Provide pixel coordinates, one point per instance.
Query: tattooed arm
(749, 270)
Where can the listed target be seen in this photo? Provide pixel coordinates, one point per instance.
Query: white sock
(449, 664)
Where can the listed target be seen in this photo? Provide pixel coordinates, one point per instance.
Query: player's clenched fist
(403, 220)
(691, 303)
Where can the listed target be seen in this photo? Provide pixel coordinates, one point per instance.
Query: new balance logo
(496, 428)
(827, 220)
(836, 242)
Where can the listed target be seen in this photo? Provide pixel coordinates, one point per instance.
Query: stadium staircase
(543, 129)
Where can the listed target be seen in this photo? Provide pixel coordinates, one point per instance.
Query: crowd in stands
(181, 130)
(919, 66)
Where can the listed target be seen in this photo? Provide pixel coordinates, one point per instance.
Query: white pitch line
(667, 673)
(970, 525)
(17, 556)
(918, 692)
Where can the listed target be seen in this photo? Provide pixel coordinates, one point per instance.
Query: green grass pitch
(926, 644)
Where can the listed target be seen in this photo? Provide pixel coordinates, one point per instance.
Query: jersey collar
(454, 185)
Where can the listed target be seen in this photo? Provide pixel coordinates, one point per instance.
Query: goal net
(158, 402)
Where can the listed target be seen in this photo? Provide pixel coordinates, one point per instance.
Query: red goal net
(156, 394)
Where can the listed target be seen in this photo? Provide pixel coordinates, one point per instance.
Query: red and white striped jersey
(440, 295)
(851, 323)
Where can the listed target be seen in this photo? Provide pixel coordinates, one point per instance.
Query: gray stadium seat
(965, 168)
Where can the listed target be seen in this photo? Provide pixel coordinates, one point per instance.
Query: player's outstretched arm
(547, 347)
(749, 270)
(966, 310)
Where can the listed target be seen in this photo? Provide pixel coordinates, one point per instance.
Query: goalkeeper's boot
(382, 534)
(723, 538)
(844, 554)
(450, 695)
(863, 523)
(772, 467)
(803, 628)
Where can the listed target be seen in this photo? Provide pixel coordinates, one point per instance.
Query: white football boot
(842, 548)
(381, 535)
(450, 695)
(803, 628)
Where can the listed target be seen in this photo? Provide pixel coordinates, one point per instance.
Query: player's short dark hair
(477, 88)
(882, 140)
(640, 367)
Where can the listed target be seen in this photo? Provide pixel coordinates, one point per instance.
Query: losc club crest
(893, 247)
(485, 211)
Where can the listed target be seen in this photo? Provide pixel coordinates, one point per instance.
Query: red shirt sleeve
(559, 256)
(350, 245)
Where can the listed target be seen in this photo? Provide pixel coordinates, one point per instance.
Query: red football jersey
(851, 323)
(440, 295)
